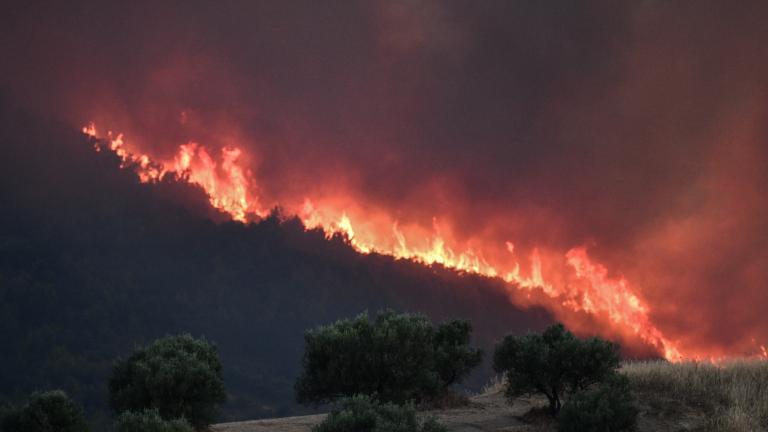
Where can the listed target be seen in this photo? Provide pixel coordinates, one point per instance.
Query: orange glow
(567, 284)
(226, 182)
(90, 130)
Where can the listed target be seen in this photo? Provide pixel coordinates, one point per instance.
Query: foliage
(397, 357)
(51, 411)
(178, 375)
(554, 363)
(149, 421)
(362, 414)
(454, 357)
(605, 407)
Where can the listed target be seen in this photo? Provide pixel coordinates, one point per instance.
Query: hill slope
(671, 397)
(93, 263)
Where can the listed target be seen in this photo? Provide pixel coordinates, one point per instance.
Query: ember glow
(587, 287)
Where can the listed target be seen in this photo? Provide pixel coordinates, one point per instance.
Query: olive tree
(397, 357)
(554, 364)
(51, 411)
(179, 376)
(454, 357)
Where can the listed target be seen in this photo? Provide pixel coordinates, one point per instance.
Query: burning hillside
(606, 161)
(582, 285)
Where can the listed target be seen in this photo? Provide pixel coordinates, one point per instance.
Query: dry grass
(700, 397)
(495, 385)
(733, 396)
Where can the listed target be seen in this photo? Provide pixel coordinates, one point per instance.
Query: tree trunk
(554, 403)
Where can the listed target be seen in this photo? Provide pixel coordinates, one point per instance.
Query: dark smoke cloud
(634, 128)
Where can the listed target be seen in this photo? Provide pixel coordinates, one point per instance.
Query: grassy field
(731, 396)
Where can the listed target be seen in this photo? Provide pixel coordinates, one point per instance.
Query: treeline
(92, 263)
(376, 373)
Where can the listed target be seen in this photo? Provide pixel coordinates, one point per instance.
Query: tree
(608, 406)
(51, 411)
(454, 357)
(364, 414)
(149, 421)
(178, 375)
(554, 363)
(397, 357)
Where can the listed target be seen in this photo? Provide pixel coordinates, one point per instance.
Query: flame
(90, 130)
(572, 282)
(227, 183)
(616, 298)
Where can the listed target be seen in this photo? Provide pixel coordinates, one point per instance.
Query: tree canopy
(51, 411)
(554, 363)
(179, 376)
(397, 357)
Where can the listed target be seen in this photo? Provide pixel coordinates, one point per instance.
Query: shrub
(52, 411)
(554, 363)
(607, 407)
(363, 414)
(149, 421)
(178, 375)
(397, 357)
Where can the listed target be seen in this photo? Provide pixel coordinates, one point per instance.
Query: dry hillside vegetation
(701, 397)
(731, 396)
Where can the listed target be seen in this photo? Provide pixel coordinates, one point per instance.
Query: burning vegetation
(264, 166)
(583, 285)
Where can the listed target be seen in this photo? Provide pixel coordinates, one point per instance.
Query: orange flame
(90, 130)
(586, 286)
(226, 182)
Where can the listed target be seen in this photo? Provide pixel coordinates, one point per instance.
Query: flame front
(226, 182)
(574, 284)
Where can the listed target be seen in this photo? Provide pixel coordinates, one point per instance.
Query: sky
(634, 130)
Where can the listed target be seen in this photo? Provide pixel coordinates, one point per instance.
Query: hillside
(691, 396)
(93, 263)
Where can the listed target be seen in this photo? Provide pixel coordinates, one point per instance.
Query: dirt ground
(486, 412)
(490, 412)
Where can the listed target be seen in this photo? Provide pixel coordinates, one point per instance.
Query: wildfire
(227, 184)
(582, 285)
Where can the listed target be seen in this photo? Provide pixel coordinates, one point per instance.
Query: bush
(554, 363)
(363, 414)
(52, 411)
(606, 407)
(178, 375)
(397, 357)
(149, 421)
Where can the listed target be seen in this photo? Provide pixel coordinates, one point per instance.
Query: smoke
(632, 129)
